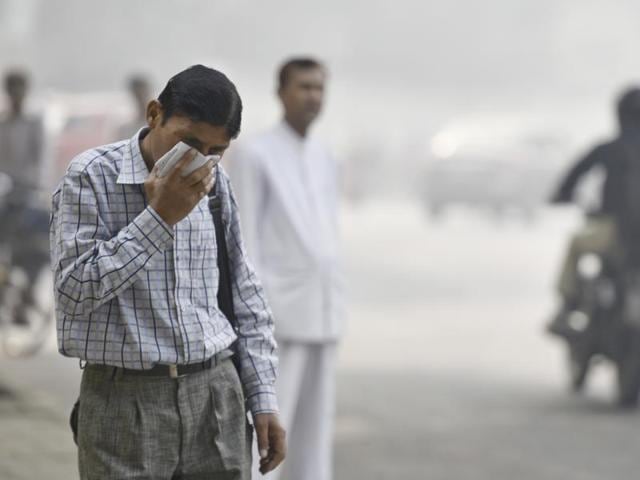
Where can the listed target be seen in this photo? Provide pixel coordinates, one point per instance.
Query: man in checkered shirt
(134, 257)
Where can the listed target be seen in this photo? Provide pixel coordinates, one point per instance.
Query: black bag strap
(225, 292)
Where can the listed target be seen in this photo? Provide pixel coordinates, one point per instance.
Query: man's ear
(154, 114)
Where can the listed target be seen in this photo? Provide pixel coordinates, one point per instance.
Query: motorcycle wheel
(628, 369)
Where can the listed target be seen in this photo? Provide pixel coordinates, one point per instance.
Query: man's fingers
(262, 434)
(154, 170)
(277, 451)
(203, 187)
(208, 186)
(200, 174)
(272, 463)
(208, 182)
(272, 446)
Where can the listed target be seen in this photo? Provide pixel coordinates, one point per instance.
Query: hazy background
(399, 70)
(453, 121)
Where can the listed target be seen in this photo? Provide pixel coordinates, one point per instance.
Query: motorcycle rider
(613, 230)
(24, 220)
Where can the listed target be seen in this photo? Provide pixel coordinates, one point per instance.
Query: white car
(493, 166)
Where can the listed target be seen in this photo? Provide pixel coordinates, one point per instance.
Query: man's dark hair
(15, 78)
(297, 63)
(628, 105)
(203, 94)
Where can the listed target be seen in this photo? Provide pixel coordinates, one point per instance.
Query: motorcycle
(604, 322)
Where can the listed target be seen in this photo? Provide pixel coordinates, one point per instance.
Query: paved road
(444, 371)
(418, 425)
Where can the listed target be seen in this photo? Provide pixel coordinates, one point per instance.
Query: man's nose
(316, 96)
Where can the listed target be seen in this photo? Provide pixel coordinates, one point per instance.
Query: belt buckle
(173, 371)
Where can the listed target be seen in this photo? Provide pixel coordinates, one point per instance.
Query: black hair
(137, 81)
(302, 63)
(203, 94)
(15, 78)
(628, 107)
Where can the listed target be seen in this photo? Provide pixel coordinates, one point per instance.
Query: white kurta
(287, 193)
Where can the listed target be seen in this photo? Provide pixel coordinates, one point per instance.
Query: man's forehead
(314, 74)
(203, 132)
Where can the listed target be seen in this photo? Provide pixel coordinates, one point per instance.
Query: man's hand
(271, 441)
(174, 196)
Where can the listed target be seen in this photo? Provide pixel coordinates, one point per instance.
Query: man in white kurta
(286, 186)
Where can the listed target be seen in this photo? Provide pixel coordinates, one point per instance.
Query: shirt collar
(292, 135)
(133, 169)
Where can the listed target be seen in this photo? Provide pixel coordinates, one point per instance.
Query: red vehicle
(82, 121)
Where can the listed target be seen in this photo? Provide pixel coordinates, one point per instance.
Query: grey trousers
(138, 427)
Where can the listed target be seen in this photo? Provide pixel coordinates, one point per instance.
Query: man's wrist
(263, 415)
(162, 215)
